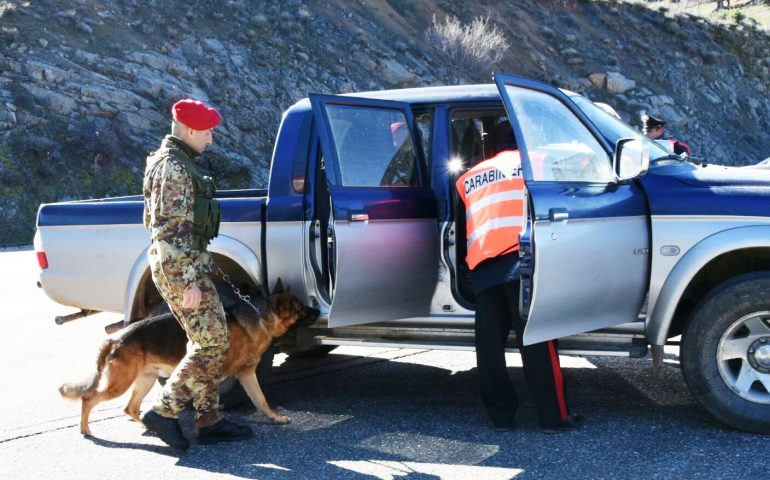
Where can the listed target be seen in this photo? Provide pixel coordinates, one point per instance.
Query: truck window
(424, 123)
(299, 162)
(479, 135)
(374, 147)
(559, 146)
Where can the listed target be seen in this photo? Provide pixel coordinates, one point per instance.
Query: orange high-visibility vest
(495, 201)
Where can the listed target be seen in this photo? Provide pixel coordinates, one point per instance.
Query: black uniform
(496, 282)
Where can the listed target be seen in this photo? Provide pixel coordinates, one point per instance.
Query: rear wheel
(726, 352)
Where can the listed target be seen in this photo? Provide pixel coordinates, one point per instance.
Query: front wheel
(726, 352)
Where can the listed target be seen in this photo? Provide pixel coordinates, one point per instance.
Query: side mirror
(632, 158)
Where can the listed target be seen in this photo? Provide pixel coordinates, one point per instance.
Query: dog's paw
(281, 419)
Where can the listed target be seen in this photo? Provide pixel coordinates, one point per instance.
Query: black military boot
(166, 428)
(223, 431)
(575, 420)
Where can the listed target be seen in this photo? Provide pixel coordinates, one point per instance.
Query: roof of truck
(455, 93)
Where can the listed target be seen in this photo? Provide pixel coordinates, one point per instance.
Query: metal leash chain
(237, 291)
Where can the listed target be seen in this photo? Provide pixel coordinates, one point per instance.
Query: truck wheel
(232, 394)
(726, 352)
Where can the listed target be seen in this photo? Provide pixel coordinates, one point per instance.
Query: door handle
(558, 214)
(359, 217)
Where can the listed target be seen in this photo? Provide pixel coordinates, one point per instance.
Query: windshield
(614, 129)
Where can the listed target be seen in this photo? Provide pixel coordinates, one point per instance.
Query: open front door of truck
(585, 254)
(382, 235)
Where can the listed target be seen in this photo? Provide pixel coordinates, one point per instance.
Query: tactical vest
(205, 207)
(495, 201)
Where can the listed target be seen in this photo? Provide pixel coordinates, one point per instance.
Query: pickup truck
(627, 247)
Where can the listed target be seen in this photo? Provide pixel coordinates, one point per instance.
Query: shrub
(471, 46)
(6, 8)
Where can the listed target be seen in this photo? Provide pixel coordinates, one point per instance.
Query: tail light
(42, 260)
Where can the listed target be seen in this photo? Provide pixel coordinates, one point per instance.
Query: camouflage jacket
(169, 214)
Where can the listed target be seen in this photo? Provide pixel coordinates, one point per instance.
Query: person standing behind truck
(495, 200)
(183, 216)
(654, 128)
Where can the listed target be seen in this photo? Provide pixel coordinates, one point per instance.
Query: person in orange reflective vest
(495, 200)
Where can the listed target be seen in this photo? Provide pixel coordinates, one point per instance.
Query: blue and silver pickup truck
(627, 248)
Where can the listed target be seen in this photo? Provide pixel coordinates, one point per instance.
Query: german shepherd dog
(153, 347)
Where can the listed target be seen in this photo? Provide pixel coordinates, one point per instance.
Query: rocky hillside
(86, 85)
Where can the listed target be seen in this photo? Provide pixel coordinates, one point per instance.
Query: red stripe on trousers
(558, 381)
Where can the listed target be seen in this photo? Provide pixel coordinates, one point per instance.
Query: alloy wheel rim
(743, 357)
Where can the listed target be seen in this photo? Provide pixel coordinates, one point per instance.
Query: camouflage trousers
(198, 375)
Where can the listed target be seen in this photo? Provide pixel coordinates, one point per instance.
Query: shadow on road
(392, 419)
(160, 449)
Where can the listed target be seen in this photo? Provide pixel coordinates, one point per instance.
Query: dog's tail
(75, 391)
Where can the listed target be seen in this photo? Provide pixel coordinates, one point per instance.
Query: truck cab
(385, 236)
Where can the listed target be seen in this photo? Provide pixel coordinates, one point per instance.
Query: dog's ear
(278, 286)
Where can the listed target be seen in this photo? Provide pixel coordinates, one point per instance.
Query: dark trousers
(497, 310)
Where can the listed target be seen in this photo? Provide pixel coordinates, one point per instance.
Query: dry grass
(6, 8)
(474, 45)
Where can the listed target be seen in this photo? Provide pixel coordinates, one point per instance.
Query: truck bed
(97, 249)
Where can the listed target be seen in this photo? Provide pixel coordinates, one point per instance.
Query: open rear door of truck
(381, 244)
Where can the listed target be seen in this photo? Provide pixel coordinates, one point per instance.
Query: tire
(726, 352)
(232, 394)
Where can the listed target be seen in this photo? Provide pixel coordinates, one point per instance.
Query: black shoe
(505, 427)
(223, 431)
(575, 420)
(166, 428)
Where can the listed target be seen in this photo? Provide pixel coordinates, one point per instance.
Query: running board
(576, 345)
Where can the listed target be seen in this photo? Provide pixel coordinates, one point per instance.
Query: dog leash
(246, 298)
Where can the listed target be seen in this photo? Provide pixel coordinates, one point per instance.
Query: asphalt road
(357, 414)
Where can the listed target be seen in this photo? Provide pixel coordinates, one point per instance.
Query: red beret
(195, 114)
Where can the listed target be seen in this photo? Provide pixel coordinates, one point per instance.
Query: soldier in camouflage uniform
(183, 216)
